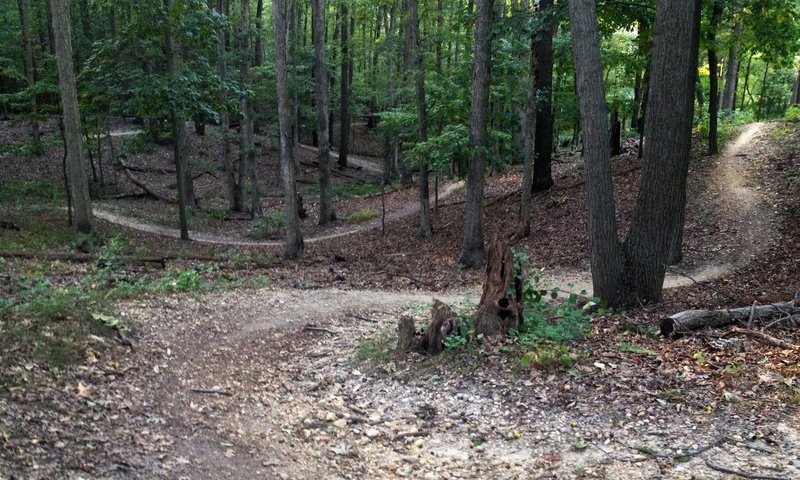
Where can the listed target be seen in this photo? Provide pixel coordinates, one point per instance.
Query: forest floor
(297, 379)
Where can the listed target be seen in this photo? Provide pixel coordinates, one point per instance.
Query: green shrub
(30, 192)
(267, 226)
(363, 215)
(792, 114)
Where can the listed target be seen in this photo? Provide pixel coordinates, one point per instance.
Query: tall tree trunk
(78, 180)
(175, 60)
(322, 93)
(763, 91)
(656, 232)
(473, 251)
(713, 77)
(293, 41)
(542, 173)
(796, 89)
(258, 45)
(344, 93)
(390, 142)
(637, 100)
(728, 103)
(247, 153)
(425, 228)
(294, 237)
(529, 129)
(234, 192)
(606, 254)
(746, 80)
(30, 69)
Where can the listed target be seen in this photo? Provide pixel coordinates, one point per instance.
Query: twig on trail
(400, 275)
(208, 391)
(753, 476)
(717, 441)
(359, 317)
(411, 433)
(314, 328)
(764, 338)
(788, 318)
(709, 287)
(752, 315)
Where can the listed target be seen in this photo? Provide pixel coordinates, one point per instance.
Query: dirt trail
(201, 237)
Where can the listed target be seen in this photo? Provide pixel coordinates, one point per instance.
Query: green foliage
(193, 279)
(30, 192)
(357, 190)
(375, 349)
(792, 114)
(267, 226)
(627, 347)
(363, 215)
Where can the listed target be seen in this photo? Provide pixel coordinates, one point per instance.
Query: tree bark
(713, 78)
(606, 255)
(344, 88)
(425, 228)
(542, 173)
(728, 103)
(175, 60)
(294, 237)
(235, 200)
(30, 72)
(763, 91)
(247, 152)
(473, 252)
(696, 319)
(76, 166)
(656, 230)
(529, 144)
(499, 311)
(796, 89)
(322, 96)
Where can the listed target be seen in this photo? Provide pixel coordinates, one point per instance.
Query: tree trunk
(763, 92)
(746, 80)
(425, 228)
(656, 230)
(728, 103)
(529, 145)
(498, 312)
(542, 174)
(344, 92)
(78, 180)
(616, 134)
(247, 152)
(175, 60)
(713, 77)
(235, 201)
(322, 96)
(637, 100)
(30, 69)
(796, 89)
(473, 252)
(606, 255)
(294, 237)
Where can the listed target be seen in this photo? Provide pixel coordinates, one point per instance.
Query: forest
(399, 239)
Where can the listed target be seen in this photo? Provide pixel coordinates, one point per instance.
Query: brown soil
(294, 382)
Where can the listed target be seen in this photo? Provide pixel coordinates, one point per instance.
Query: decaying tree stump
(498, 312)
(444, 322)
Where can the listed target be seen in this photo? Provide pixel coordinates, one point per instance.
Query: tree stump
(500, 308)
(444, 322)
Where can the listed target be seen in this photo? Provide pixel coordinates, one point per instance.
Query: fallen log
(83, 258)
(146, 188)
(689, 320)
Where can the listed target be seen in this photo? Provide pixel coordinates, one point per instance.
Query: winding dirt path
(744, 207)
